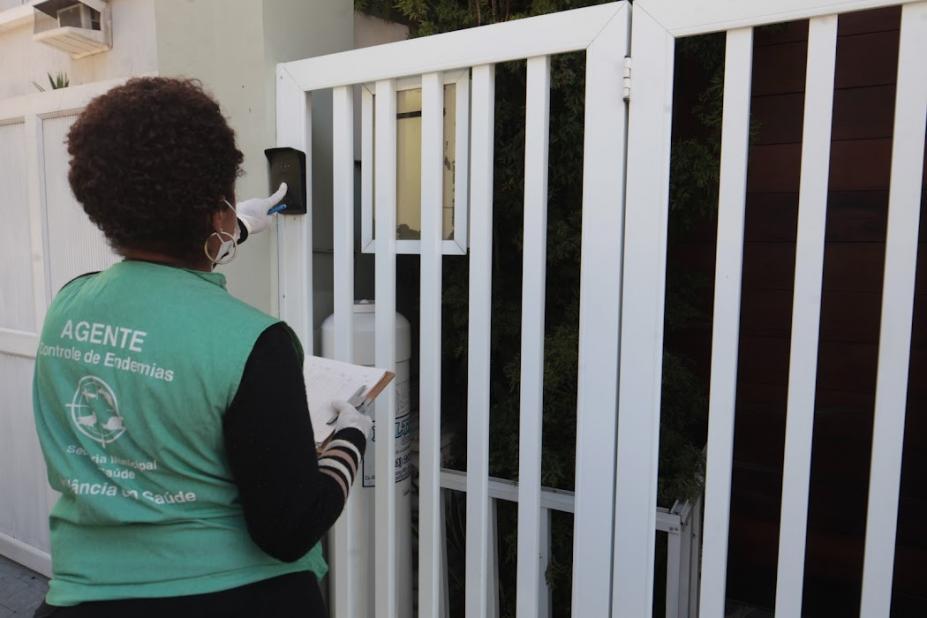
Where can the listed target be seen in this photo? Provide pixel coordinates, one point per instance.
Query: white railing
(681, 523)
(623, 268)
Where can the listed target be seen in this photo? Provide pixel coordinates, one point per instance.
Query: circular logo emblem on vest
(95, 411)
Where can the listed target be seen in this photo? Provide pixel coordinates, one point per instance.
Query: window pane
(409, 163)
(450, 157)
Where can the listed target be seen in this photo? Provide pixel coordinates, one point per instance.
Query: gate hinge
(626, 79)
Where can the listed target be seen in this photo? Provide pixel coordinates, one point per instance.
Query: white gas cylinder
(361, 556)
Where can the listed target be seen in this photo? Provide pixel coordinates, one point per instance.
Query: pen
(276, 209)
(355, 400)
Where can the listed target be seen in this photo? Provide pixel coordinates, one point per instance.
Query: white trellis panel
(75, 245)
(26, 496)
(17, 304)
(47, 240)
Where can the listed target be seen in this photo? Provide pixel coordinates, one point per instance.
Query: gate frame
(602, 31)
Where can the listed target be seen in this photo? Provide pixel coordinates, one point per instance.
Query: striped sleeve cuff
(342, 458)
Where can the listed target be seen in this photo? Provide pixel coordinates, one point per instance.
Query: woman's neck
(157, 257)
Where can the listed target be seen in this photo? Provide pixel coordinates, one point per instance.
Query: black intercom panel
(289, 165)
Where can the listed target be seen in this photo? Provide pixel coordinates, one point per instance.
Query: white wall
(294, 30)
(23, 60)
(233, 46)
(220, 43)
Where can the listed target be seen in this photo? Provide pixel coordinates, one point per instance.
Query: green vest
(135, 369)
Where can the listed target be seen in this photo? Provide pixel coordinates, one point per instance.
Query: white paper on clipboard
(329, 380)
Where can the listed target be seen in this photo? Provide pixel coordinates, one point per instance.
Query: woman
(173, 417)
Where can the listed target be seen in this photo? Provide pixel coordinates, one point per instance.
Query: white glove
(253, 212)
(348, 416)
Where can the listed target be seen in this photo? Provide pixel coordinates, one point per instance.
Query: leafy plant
(60, 80)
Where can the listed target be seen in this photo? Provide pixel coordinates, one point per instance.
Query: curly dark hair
(151, 161)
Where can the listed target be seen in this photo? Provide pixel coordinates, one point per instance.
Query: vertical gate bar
(430, 343)
(385, 354)
(600, 301)
(544, 604)
(544, 596)
(343, 589)
(294, 234)
(694, 559)
(481, 178)
(367, 166)
(904, 201)
(673, 570)
(685, 563)
(806, 312)
(534, 261)
(444, 610)
(735, 129)
(644, 277)
(492, 573)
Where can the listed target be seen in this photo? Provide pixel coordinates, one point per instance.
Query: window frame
(458, 243)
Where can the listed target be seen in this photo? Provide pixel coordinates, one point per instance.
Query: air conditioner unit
(78, 27)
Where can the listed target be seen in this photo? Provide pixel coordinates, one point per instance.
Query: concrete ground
(21, 590)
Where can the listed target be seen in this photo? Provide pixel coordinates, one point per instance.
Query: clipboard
(329, 380)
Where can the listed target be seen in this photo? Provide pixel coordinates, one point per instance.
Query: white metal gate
(625, 210)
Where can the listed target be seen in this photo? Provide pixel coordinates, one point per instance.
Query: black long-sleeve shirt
(268, 430)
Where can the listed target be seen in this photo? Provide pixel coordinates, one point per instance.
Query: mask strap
(228, 247)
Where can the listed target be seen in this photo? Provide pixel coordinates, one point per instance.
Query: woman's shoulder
(78, 280)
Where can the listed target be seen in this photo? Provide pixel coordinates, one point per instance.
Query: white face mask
(228, 246)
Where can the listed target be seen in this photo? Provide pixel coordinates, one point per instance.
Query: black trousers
(295, 594)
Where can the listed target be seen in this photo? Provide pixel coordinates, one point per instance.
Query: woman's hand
(348, 416)
(253, 213)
